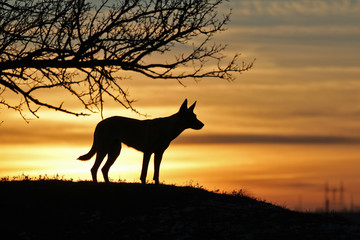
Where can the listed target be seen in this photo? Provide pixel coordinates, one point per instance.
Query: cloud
(76, 134)
(64, 130)
(294, 30)
(297, 17)
(296, 7)
(265, 139)
(47, 136)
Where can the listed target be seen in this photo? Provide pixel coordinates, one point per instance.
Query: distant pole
(327, 202)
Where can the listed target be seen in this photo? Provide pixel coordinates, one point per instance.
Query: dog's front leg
(157, 162)
(145, 165)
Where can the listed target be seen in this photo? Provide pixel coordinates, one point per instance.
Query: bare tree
(81, 47)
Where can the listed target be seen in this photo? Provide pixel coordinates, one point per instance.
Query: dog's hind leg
(112, 155)
(99, 158)
(157, 161)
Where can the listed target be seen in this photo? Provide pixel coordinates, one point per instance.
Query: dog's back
(130, 131)
(143, 135)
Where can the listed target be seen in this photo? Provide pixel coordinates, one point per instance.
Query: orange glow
(281, 174)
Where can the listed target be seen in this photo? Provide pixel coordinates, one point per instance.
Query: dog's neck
(177, 127)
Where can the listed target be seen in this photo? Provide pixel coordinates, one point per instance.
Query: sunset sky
(280, 131)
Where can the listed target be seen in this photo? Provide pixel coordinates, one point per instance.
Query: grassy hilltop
(55, 209)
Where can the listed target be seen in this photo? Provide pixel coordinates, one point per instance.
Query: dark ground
(55, 209)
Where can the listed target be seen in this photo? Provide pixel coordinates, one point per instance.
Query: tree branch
(46, 45)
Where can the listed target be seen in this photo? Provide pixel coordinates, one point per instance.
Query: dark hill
(55, 209)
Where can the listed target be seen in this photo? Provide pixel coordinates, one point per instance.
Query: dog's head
(188, 117)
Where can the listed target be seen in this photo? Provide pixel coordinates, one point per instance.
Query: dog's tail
(89, 154)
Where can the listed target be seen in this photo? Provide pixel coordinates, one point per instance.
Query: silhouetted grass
(48, 208)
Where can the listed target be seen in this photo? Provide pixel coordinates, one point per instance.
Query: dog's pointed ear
(191, 108)
(183, 106)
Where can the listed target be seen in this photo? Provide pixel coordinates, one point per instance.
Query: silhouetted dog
(147, 136)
